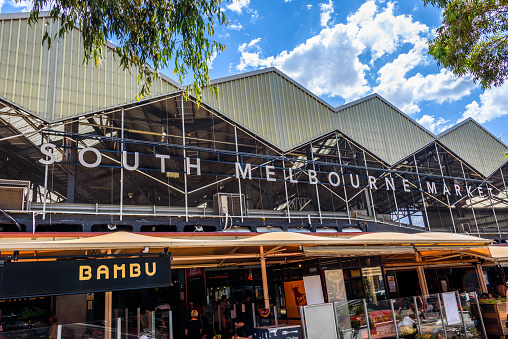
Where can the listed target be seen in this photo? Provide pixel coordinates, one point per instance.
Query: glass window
(374, 284)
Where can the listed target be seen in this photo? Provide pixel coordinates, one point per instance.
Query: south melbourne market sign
(247, 171)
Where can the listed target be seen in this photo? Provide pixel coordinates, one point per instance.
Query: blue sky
(345, 50)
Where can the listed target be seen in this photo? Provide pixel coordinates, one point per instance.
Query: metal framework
(180, 133)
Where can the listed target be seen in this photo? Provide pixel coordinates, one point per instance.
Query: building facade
(79, 154)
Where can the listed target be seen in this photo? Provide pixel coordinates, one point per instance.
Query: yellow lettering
(85, 272)
(120, 268)
(148, 273)
(102, 269)
(135, 270)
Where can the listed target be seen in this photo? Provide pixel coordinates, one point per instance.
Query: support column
(184, 162)
(421, 276)
(121, 167)
(481, 278)
(444, 183)
(108, 305)
(264, 279)
(426, 220)
(70, 156)
(342, 174)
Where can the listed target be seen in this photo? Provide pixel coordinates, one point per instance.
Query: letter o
(330, 179)
(81, 157)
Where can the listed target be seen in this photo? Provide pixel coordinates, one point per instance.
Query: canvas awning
(221, 249)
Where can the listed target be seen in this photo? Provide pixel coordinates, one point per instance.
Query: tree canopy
(149, 33)
(473, 39)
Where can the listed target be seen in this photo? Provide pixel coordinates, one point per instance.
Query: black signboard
(38, 278)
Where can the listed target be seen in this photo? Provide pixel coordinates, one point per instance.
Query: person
(53, 330)
(193, 328)
(501, 289)
(206, 329)
(242, 330)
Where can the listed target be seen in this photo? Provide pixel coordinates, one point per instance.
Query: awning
(226, 249)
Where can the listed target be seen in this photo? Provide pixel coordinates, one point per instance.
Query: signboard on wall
(335, 287)
(295, 297)
(313, 290)
(36, 278)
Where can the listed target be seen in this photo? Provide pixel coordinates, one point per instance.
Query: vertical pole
(495, 217)
(396, 205)
(286, 190)
(470, 201)
(108, 305)
(121, 166)
(439, 296)
(417, 315)
(369, 190)
(480, 315)
(317, 191)
(421, 191)
(457, 295)
(239, 180)
(275, 315)
(126, 323)
(152, 317)
(342, 173)
(504, 182)
(59, 331)
(444, 183)
(302, 319)
(367, 320)
(219, 310)
(170, 325)
(421, 276)
(481, 278)
(184, 162)
(138, 316)
(253, 315)
(119, 328)
(394, 319)
(265, 279)
(45, 189)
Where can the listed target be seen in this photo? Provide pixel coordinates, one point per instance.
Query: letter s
(45, 151)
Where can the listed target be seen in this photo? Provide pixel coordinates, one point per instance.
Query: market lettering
(271, 173)
(117, 271)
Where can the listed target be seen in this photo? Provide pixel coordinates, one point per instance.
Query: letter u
(127, 166)
(147, 271)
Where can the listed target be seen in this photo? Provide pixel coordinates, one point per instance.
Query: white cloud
(235, 27)
(24, 5)
(406, 92)
(212, 58)
(254, 16)
(238, 5)
(326, 12)
(433, 125)
(335, 62)
(1, 5)
(493, 104)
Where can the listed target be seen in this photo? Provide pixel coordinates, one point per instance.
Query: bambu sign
(25, 279)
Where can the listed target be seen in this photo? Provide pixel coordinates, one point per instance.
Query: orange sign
(295, 297)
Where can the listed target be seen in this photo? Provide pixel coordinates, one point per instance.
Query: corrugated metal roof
(54, 83)
(382, 129)
(470, 141)
(274, 107)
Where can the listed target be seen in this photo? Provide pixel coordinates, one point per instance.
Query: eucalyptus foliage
(154, 33)
(473, 39)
